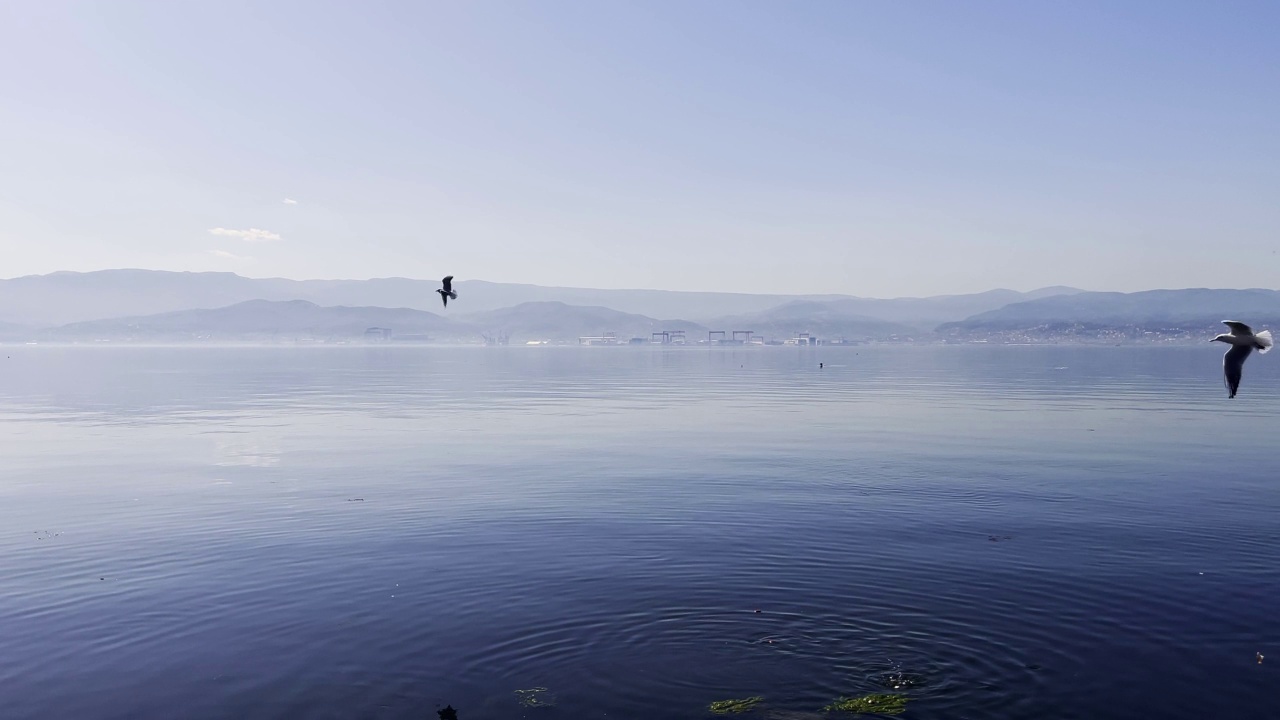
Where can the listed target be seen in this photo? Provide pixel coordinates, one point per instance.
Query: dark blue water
(1017, 532)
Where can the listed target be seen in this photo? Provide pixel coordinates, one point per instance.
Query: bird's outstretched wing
(444, 296)
(448, 283)
(1233, 366)
(1237, 327)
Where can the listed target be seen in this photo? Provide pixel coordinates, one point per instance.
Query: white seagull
(1242, 342)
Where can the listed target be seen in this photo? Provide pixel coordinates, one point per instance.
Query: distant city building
(606, 339)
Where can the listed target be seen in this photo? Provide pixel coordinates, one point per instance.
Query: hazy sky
(868, 147)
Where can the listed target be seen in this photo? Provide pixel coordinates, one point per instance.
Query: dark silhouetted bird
(446, 292)
(1242, 342)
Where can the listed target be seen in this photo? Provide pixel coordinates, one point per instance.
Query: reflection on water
(997, 532)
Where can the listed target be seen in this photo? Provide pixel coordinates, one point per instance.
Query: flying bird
(1242, 342)
(447, 292)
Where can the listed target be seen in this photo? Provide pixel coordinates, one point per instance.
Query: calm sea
(378, 532)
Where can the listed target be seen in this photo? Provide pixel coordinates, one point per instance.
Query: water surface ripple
(375, 532)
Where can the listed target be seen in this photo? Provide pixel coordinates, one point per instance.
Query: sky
(864, 147)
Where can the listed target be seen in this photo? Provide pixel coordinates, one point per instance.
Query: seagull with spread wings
(1242, 341)
(447, 293)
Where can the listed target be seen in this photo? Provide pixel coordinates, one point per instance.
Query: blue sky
(871, 148)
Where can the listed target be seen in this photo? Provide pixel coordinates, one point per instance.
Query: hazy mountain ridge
(1191, 312)
(829, 320)
(280, 320)
(561, 321)
(220, 311)
(265, 319)
(928, 312)
(67, 297)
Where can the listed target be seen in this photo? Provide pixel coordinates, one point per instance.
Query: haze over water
(1019, 532)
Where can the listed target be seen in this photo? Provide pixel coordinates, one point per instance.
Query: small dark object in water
(727, 707)
(536, 698)
(355, 499)
(757, 612)
(448, 713)
(819, 366)
(873, 704)
(1259, 658)
(1032, 666)
(998, 538)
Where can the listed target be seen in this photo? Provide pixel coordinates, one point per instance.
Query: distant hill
(828, 320)
(870, 318)
(1165, 312)
(478, 296)
(67, 297)
(561, 321)
(1155, 314)
(265, 319)
(175, 305)
(928, 312)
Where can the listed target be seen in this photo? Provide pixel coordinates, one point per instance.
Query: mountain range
(144, 305)
(264, 320)
(68, 297)
(558, 321)
(1170, 313)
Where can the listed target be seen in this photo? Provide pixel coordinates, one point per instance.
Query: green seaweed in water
(724, 707)
(876, 703)
(535, 697)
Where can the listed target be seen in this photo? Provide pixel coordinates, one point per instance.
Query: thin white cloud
(229, 256)
(250, 235)
(290, 201)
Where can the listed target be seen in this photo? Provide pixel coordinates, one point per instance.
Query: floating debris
(725, 707)
(877, 703)
(355, 499)
(535, 697)
(998, 538)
